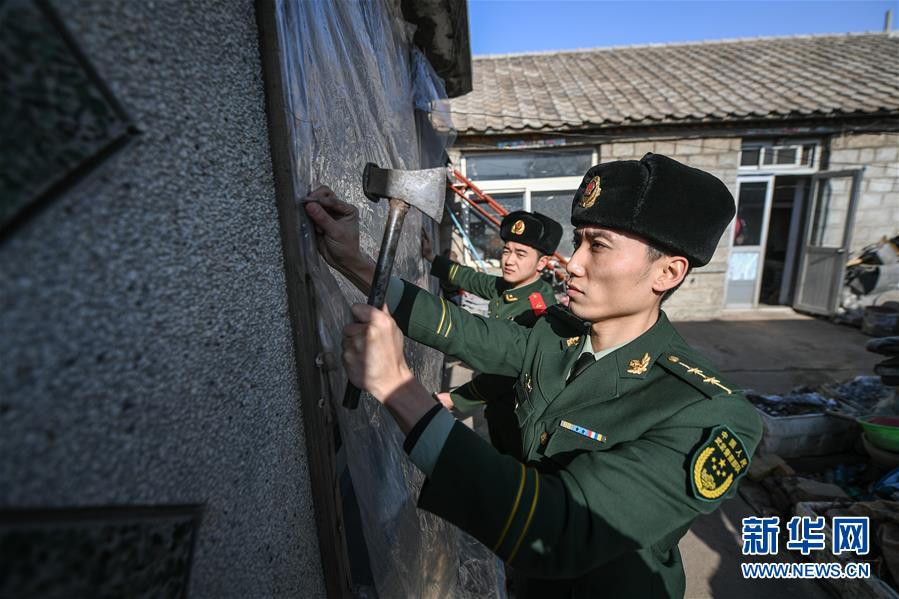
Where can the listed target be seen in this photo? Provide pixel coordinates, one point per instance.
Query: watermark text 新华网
(806, 535)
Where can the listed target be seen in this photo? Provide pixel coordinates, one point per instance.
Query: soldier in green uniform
(627, 433)
(519, 294)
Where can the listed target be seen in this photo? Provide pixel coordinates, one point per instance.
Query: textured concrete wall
(146, 355)
(702, 294)
(877, 211)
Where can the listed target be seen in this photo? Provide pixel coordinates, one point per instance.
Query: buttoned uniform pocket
(524, 393)
(563, 445)
(523, 403)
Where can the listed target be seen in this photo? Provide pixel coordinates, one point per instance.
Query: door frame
(817, 178)
(795, 240)
(763, 238)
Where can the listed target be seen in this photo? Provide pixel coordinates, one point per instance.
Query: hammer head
(424, 189)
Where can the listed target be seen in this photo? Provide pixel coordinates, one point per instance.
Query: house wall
(146, 356)
(702, 294)
(351, 80)
(877, 211)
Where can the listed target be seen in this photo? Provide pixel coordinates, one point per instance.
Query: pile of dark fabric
(868, 276)
(876, 269)
(801, 400)
(860, 396)
(888, 370)
(848, 489)
(883, 534)
(855, 397)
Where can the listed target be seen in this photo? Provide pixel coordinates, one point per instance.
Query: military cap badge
(718, 464)
(518, 227)
(591, 192)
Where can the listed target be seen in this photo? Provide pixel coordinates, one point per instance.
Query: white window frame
(764, 146)
(526, 186)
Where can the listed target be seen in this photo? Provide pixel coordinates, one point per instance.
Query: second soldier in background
(520, 294)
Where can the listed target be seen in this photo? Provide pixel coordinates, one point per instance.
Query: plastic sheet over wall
(358, 92)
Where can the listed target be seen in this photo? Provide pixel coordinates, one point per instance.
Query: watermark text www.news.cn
(806, 535)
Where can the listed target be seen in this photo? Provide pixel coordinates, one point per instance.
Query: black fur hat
(531, 228)
(682, 209)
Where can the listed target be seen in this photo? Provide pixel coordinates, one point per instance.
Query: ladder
(492, 211)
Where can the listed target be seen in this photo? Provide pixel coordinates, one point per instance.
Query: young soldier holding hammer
(626, 433)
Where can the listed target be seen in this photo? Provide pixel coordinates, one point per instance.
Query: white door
(744, 270)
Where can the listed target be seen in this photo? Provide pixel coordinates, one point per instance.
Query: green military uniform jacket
(611, 469)
(519, 304)
(524, 305)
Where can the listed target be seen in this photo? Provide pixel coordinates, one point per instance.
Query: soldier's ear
(671, 274)
(542, 261)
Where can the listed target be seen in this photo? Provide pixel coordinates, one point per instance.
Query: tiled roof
(746, 79)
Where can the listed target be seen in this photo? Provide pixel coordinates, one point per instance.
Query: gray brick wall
(877, 213)
(702, 294)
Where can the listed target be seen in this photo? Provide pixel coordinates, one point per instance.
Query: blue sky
(502, 26)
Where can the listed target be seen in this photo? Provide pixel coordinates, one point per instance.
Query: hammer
(423, 189)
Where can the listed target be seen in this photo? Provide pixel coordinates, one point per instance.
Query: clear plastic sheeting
(358, 91)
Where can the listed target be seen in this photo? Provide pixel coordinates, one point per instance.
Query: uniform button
(544, 437)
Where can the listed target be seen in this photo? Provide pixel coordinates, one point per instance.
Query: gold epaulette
(709, 384)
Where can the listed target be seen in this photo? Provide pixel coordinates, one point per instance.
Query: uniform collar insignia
(571, 341)
(639, 365)
(511, 298)
(636, 359)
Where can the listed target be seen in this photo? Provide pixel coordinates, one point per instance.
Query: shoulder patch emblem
(537, 303)
(518, 227)
(640, 365)
(718, 464)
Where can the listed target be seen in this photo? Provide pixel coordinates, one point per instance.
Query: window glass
(830, 213)
(484, 236)
(527, 165)
(557, 206)
(750, 156)
(808, 155)
(753, 154)
(510, 201)
(785, 155)
(750, 214)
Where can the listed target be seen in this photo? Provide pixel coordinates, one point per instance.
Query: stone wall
(146, 357)
(877, 211)
(702, 294)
